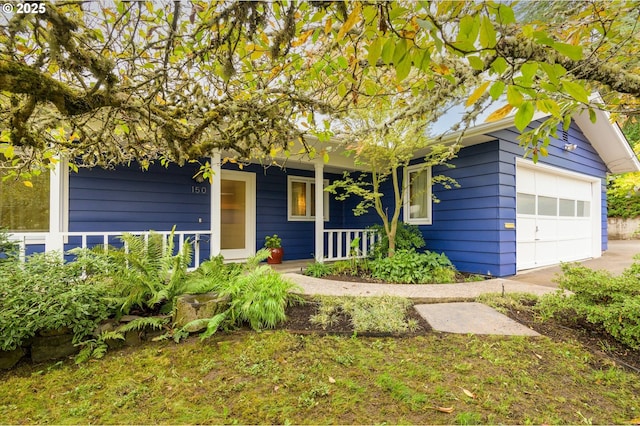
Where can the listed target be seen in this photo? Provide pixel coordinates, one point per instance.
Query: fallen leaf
(539, 356)
(635, 421)
(275, 388)
(331, 380)
(447, 410)
(469, 393)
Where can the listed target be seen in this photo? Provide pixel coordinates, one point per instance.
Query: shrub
(44, 293)
(211, 275)
(258, 297)
(612, 302)
(410, 267)
(8, 249)
(317, 269)
(407, 237)
(146, 276)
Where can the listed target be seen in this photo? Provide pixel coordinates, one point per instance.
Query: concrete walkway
(470, 317)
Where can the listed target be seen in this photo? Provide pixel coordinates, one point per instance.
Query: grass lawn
(279, 377)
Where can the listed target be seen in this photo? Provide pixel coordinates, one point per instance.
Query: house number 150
(198, 189)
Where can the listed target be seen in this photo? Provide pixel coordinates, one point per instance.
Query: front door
(237, 214)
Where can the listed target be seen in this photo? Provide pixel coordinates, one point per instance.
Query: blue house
(508, 214)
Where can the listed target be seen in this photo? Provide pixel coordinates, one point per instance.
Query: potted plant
(274, 244)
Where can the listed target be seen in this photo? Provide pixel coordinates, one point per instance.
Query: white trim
(319, 195)
(595, 202)
(216, 190)
(309, 216)
(406, 205)
(250, 200)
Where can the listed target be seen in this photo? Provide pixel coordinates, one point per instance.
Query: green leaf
(524, 115)
(387, 51)
(476, 63)
(500, 65)
(566, 123)
(576, 91)
(592, 115)
(469, 28)
(342, 62)
(496, 90)
(487, 33)
(375, 49)
(569, 50)
(505, 15)
(528, 71)
(399, 52)
(514, 97)
(403, 68)
(342, 90)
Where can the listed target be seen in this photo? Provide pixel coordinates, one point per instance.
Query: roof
(605, 136)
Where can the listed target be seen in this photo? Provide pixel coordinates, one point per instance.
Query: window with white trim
(417, 202)
(301, 199)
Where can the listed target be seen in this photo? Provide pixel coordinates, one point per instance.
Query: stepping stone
(471, 318)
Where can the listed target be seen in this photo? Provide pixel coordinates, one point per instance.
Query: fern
(154, 323)
(144, 275)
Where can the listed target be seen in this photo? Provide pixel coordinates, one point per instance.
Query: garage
(558, 216)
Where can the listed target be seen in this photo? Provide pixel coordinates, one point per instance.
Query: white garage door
(557, 216)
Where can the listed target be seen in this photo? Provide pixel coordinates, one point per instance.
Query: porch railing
(341, 244)
(34, 242)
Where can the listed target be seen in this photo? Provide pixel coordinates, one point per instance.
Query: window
(301, 198)
(417, 203)
(23, 208)
(525, 203)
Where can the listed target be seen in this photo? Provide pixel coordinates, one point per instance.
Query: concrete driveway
(615, 260)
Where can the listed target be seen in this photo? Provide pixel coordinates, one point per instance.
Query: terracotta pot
(276, 256)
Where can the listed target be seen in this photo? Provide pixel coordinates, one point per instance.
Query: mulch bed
(594, 339)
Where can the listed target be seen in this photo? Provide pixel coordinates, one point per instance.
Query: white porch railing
(340, 243)
(38, 241)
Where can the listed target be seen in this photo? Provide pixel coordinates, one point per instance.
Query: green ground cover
(278, 377)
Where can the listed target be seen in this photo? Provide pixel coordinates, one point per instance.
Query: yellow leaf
(499, 113)
(331, 380)
(441, 69)
(301, 40)
(353, 18)
(28, 184)
(327, 26)
(469, 393)
(477, 93)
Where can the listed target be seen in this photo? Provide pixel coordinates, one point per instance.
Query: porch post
(216, 193)
(319, 222)
(54, 240)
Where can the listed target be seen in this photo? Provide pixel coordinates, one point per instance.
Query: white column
(319, 222)
(216, 194)
(54, 240)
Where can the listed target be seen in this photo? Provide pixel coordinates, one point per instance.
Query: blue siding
(271, 206)
(468, 222)
(129, 199)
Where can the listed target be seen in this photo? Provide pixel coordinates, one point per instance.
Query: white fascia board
(609, 141)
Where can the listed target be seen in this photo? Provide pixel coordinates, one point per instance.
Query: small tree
(383, 154)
